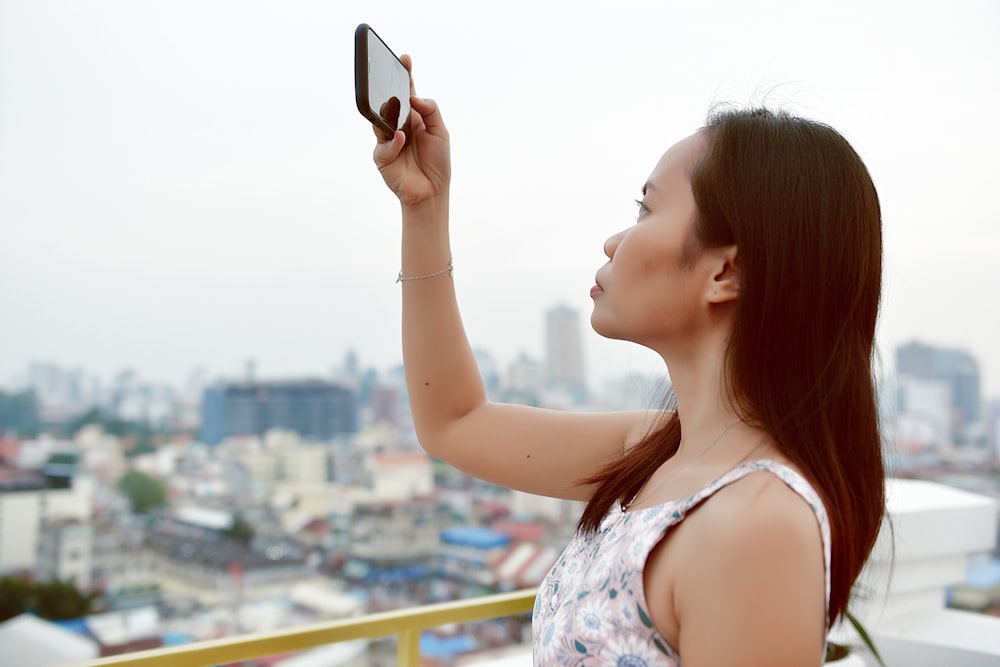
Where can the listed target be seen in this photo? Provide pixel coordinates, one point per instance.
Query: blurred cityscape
(135, 515)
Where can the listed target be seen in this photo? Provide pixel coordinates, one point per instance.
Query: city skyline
(354, 363)
(170, 200)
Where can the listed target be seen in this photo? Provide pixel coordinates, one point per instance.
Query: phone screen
(386, 93)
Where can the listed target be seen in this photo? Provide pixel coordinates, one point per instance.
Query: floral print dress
(591, 607)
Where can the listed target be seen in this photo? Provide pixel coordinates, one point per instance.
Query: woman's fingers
(388, 150)
(430, 114)
(380, 136)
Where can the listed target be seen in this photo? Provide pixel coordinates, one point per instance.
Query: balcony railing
(406, 624)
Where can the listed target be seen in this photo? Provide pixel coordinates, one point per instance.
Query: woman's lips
(596, 289)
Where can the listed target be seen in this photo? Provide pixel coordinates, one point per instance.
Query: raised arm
(531, 449)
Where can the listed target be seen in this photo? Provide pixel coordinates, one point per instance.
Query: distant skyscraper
(314, 409)
(564, 352)
(352, 366)
(955, 368)
(61, 392)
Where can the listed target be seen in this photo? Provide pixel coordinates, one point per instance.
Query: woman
(730, 529)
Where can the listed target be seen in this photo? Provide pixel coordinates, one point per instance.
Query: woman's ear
(724, 282)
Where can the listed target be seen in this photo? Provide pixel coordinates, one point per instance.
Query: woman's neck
(705, 405)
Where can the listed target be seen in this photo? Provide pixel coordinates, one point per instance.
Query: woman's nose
(611, 245)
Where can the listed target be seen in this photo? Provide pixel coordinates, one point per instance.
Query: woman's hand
(420, 170)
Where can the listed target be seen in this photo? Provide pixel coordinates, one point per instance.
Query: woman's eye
(642, 208)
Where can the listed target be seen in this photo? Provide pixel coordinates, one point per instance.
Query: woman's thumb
(387, 151)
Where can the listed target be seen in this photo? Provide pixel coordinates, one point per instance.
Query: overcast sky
(188, 183)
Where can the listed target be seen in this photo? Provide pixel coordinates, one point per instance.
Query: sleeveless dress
(591, 607)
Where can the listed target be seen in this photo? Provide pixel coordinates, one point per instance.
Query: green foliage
(61, 601)
(865, 637)
(145, 493)
(19, 414)
(836, 652)
(63, 458)
(16, 597)
(239, 530)
(53, 600)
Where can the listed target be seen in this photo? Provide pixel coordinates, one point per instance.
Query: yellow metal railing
(406, 624)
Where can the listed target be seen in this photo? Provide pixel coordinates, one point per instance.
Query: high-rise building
(564, 351)
(924, 413)
(314, 409)
(61, 392)
(957, 369)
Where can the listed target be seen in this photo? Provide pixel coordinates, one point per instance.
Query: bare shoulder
(760, 503)
(755, 545)
(758, 515)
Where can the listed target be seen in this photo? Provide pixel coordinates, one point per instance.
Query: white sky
(189, 183)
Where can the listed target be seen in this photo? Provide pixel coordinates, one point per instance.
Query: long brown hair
(800, 206)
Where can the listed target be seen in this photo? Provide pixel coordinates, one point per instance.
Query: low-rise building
(222, 569)
(468, 554)
(65, 550)
(27, 499)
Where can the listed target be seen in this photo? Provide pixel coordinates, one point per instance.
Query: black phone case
(361, 80)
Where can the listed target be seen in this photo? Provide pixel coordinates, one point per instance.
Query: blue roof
(474, 536)
(445, 647)
(77, 625)
(986, 575)
(398, 574)
(176, 638)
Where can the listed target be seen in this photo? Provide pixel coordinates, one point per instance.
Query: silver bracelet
(447, 269)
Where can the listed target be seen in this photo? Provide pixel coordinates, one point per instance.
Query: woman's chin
(602, 327)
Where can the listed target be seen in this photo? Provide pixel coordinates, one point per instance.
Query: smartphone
(381, 83)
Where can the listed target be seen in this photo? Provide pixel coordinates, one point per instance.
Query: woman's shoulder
(746, 504)
(756, 545)
(767, 518)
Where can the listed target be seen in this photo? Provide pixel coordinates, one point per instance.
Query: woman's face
(652, 289)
